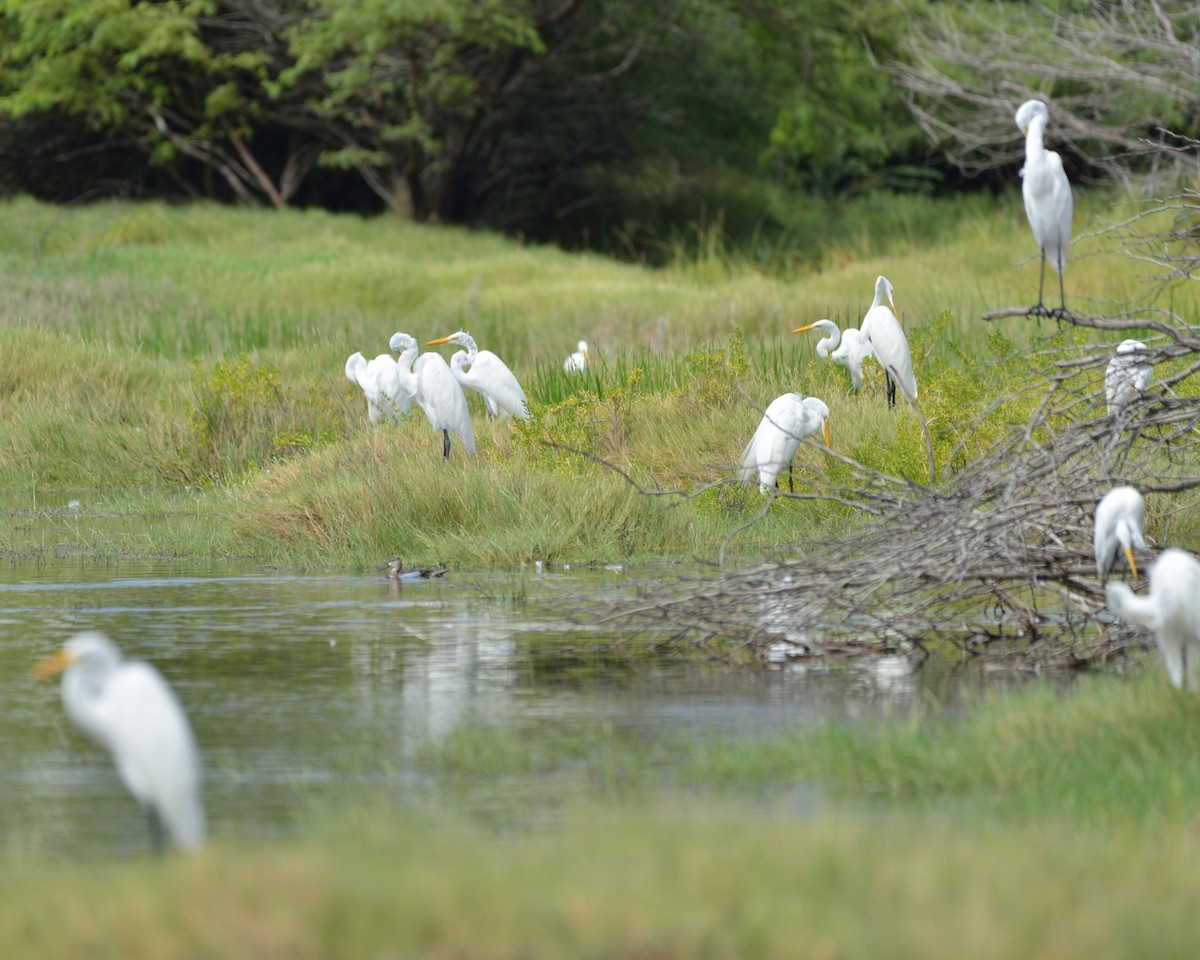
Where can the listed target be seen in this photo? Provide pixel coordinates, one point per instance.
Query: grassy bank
(159, 349)
(1041, 825)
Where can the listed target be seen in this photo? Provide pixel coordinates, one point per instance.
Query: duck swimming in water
(395, 571)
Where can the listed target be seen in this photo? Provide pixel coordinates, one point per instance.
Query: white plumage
(129, 709)
(882, 333)
(379, 383)
(1171, 609)
(1127, 375)
(1120, 517)
(427, 380)
(846, 347)
(488, 375)
(1047, 194)
(789, 419)
(577, 362)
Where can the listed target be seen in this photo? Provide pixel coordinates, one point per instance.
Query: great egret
(395, 571)
(1171, 609)
(502, 394)
(846, 347)
(429, 381)
(881, 331)
(1047, 195)
(1120, 516)
(577, 362)
(129, 709)
(378, 381)
(789, 419)
(1127, 375)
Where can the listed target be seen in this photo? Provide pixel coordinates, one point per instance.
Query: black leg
(1041, 307)
(791, 489)
(891, 389)
(157, 840)
(445, 444)
(1062, 294)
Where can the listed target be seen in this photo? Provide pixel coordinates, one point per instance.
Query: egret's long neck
(1034, 139)
(1131, 608)
(82, 687)
(408, 357)
(456, 365)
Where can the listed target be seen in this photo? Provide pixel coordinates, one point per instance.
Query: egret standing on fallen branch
(1047, 194)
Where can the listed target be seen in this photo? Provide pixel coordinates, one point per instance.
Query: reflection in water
(298, 685)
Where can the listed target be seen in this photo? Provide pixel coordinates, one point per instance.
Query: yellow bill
(825, 430)
(811, 326)
(434, 343)
(52, 665)
(1129, 557)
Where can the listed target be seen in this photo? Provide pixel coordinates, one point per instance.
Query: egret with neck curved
(881, 331)
(788, 420)
(1047, 194)
(380, 385)
(130, 710)
(1171, 609)
(427, 380)
(1120, 516)
(488, 375)
(846, 347)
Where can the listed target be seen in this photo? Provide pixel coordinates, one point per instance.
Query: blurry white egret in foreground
(577, 362)
(395, 571)
(378, 380)
(788, 420)
(502, 394)
(1171, 609)
(1047, 195)
(1120, 516)
(129, 709)
(882, 334)
(1127, 375)
(846, 347)
(427, 380)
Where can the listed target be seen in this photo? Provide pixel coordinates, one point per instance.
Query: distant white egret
(378, 381)
(1171, 609)
(1127, 375)
(502, 394)
(577, 362)
(427, 380)
(129, 709)
(881, 331)
(846, 347)
(1120, 516)
(395, 571)
(1047, 194)
(789, 419)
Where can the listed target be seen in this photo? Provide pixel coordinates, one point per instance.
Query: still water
(303, 686)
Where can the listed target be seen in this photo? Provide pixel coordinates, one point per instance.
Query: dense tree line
(555, 118)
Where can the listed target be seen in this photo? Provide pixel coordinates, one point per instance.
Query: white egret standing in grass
(1127, 375)
(502, 394)
(846, 347)
(1171, 609)
(427, 380)
(882, 333)
(1047, 195)
(129, 709)
(577, 362)
(789, 419)
(380, 385)
(1120, 516)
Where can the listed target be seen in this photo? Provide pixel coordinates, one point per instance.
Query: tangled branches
(997, 561)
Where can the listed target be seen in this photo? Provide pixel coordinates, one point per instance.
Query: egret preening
(788, 420)
(1120, 516)
(380, 385)
(1127, 375)
(502, 394)
(846, 347)
(1047, 195)
(395, 571)
(1171, 609)
(882, 333)
(577, 362)
(429, 381)
(129, 709)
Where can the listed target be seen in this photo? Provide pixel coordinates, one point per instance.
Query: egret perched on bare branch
(1120, 516)
(1171, 609)
(882, 333)
(502, 394)
(577, 362)
(429, 381)
(1047, 194)
(846, 347)
(129, 709)
(1127, 375)
(788, 420)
